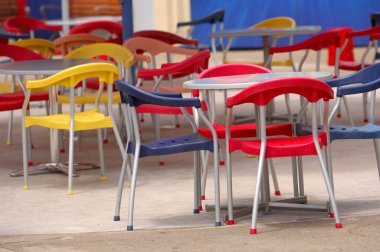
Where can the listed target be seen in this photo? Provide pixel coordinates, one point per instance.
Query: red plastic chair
(17, 53)
(27, 25)
(191, 66)
(167, 37)
(239, 130)
(114, 30)
(260, 95)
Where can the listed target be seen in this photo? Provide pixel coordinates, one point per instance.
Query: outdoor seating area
(107, 130)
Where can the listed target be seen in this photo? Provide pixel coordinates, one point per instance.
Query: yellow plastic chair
(92, 119)
(41, 46)
(285, 22)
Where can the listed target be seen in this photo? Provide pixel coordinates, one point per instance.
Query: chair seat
(280, 147)
(247, 130)
(11, 105)
(351, 65)
(173, 145)
(87, 98)
(367, 131)
(87, 120)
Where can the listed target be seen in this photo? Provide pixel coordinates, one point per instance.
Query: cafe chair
(191, 66)
(42, 46)
(215, 19)
(73, 121)
(364, 81)
(239, 130)
(260, 95)
(133, 98)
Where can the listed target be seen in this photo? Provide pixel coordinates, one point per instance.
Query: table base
(54, 168)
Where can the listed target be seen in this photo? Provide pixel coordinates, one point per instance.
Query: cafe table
(236, 82)
(45, 67)
(265, 33)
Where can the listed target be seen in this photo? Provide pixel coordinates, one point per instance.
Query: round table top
(42, 67)
(246, 80)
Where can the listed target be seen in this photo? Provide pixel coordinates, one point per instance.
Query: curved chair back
(114, 29)
(27, 25)
(275, 22)
(167, 37)
(232, 69)
(17, 53)
(118, 53)
(69, 42)
(41, 46)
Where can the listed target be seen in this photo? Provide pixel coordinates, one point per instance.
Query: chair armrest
(358, 88)
(136, 97)
(212, 18)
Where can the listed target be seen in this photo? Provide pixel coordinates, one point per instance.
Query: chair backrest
(154, 47)
(69, 42)
(42, 46)
(275, 22)
(17, 53)
(21, 24)
(106, 72)
(262, 93)
(228, 70)
(114, 29)
(118, 53)
(315, 43)
(167, 37)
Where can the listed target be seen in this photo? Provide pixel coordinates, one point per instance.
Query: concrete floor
(46, 219)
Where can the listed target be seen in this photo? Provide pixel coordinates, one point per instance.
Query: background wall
(244, 13)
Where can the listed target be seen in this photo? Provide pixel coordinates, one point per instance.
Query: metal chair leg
(377, 152)
(71, 162)
(10, 127)
(101, 155)
(255, 206)
(133, 188)
(274, 178)
(119, 194)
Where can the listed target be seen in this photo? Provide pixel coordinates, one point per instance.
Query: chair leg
(376, 144)
(101, 155)
(255, 206)
(105, 138)
(230, 220)
(71, 163)
(119, 194)
(197, 182)
(365, 102)
(156, 125)
(24, 153)
(217, 189)
(274, 178)
(133, 188)
(205, 159)
(10, 127)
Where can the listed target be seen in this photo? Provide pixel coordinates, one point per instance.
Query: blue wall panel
(244, 13)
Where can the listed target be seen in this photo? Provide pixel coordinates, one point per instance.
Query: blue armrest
(136, 97)
(358, 88)
(212, 18)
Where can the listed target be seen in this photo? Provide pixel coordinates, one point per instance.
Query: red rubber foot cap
(142, 120)
(177, 125)
(253, 231)
(105, 141)
(331, 215)
(339, 115)
(32, 146)
(162, 163)
(30, 163)
(230, 222)
(62, 150)
(338, 225)
(203, 197)
(221, 163)
(365, 120)
(277, 193)
(200, 208)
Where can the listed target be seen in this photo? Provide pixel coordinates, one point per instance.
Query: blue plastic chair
(132, 98)
(363, 81)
